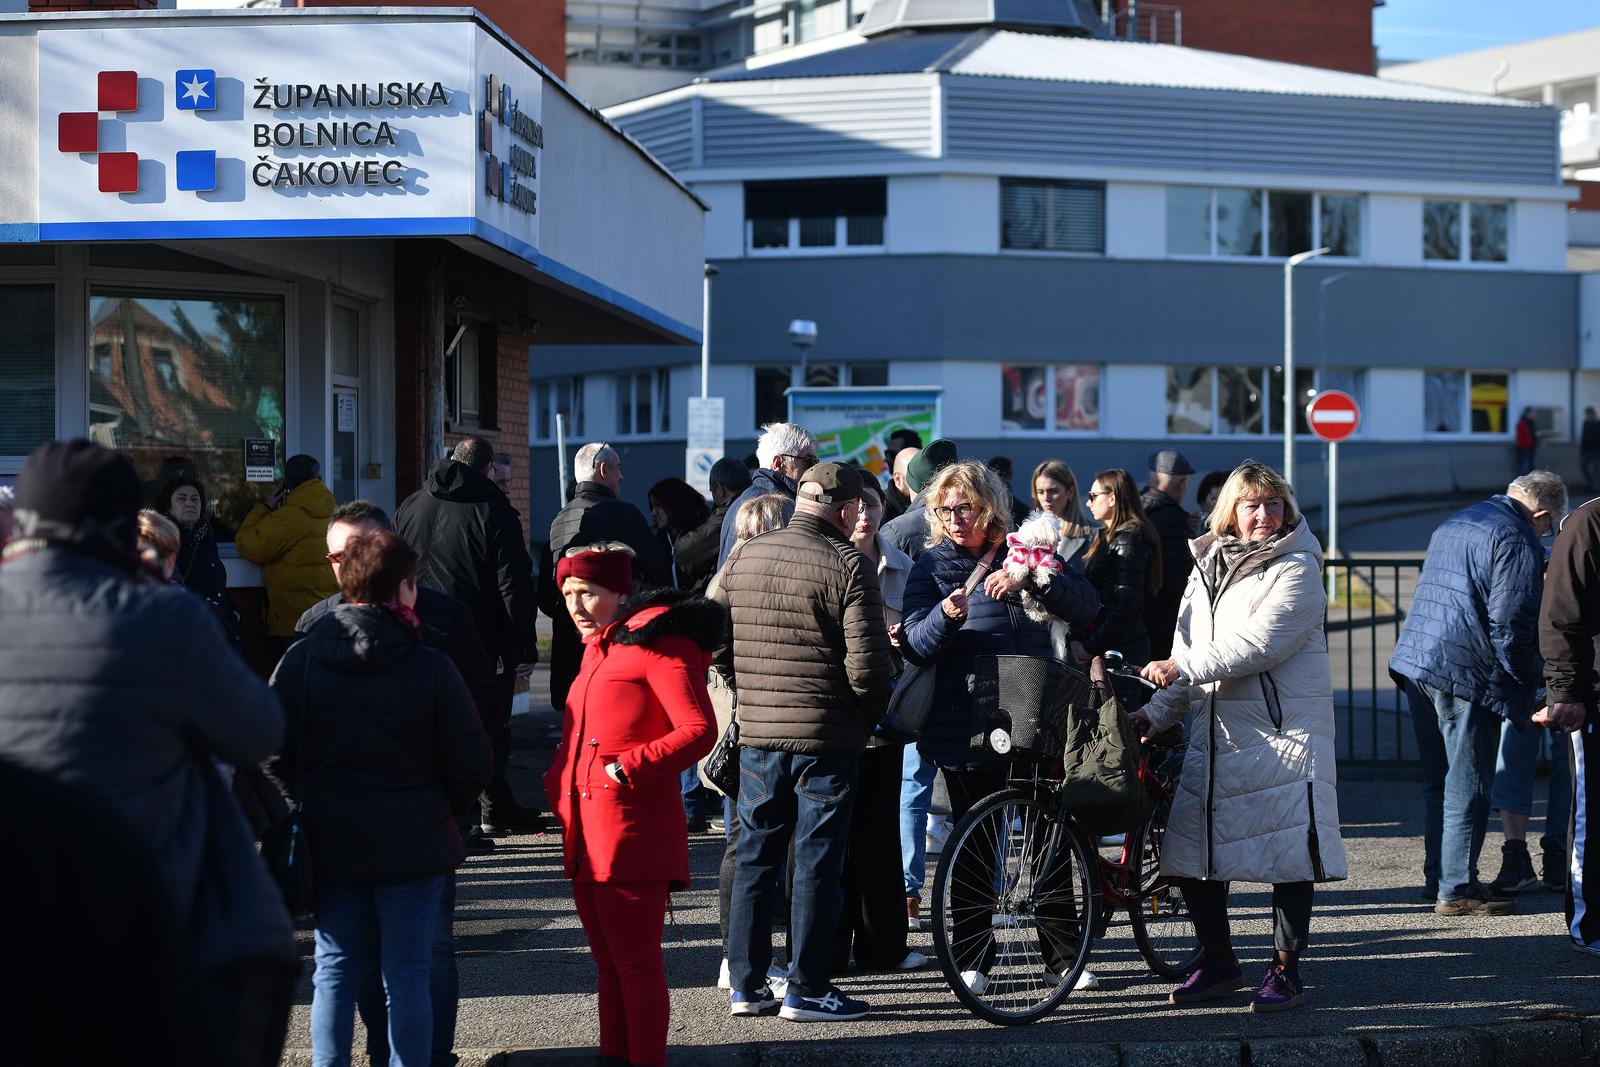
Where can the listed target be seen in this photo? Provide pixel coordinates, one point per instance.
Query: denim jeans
(1458, 741)
(344, 918)
(1513, 779)
(916, 798)
(443, 989)
(696, 797)
(784, 795)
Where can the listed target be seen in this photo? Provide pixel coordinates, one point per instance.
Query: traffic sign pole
(1334, 416)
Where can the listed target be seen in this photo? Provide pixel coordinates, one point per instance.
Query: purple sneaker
(1208, 980)
(1279, 992)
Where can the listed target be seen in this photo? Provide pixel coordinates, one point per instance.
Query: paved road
(1380, 959)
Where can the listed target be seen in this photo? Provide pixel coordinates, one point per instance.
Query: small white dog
(1031, 552)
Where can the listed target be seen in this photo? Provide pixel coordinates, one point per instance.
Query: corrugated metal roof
(992, 53)
(1006, 54)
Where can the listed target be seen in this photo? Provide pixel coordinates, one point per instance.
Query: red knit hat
(610, 570)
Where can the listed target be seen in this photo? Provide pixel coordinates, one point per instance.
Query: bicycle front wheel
(1162, 927)
(1012, 906)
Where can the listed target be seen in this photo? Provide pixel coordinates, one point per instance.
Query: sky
(1427, 29)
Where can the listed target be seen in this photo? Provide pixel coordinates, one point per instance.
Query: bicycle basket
(1019, 706)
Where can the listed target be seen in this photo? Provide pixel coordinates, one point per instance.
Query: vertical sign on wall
(705, 441)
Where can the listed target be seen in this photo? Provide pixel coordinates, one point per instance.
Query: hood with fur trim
(658, 613)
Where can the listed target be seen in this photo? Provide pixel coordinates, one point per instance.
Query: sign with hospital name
(296, 128)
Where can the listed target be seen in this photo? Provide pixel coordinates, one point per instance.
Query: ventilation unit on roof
(1074, 17)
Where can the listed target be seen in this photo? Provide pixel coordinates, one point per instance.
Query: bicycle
(1016, 910)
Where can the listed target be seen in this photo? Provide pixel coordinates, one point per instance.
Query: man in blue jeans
(811, 664)
(1467, 660)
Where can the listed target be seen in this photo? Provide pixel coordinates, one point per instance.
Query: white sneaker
(937, 834)
(778, 981)
(1087, 980)
(912, 961)
(723, 981)
(976, 981)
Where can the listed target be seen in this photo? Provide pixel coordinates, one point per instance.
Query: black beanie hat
(81, 492)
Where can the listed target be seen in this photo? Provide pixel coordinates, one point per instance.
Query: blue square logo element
(197, 171)
(197, 90)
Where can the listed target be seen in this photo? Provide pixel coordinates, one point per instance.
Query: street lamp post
(803, 334)
(1288, 356)
(705, 334)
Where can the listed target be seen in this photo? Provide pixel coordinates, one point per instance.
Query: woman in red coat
(637, 716)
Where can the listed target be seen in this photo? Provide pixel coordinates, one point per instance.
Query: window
(1247, 401)
(469, 375)
(1061, 398)
(1256, 222)
(226, 383)
(815, 216)
(632, 35)
(644, 402)
(1456, 401)
(1487, 236)
(27, 368)
(562, 398)
(774, 382)
(1051, 216)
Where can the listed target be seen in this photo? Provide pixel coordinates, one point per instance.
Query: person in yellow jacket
(287, 537)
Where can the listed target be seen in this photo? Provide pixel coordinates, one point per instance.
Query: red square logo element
(119, 172)
(119, 90)
(79, 131)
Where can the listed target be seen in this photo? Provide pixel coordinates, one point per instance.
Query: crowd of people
(725, 665)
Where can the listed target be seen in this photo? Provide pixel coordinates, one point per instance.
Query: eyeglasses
(964, 512)
(806, 462)
(335, 558)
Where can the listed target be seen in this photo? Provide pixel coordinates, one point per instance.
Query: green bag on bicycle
(1100, 785)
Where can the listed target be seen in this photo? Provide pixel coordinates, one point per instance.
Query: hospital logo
(117, 92)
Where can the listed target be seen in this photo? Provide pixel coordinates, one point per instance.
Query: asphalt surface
(1380, 962)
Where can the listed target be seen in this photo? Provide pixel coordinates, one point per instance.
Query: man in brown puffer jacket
(812, 668)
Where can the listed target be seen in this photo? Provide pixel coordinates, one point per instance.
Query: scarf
(1235, 557)
(407, 617)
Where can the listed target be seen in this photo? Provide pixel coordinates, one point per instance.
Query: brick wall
(540, 26)
(1336, 34)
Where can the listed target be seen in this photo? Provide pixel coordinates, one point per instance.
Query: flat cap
(1170, 461)
(839, 482)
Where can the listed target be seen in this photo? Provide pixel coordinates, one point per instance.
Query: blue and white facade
(1081, 242)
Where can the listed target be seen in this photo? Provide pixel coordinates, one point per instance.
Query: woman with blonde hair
(1249, 669)
(944, 625)
(1054, 488)
(1123, 564)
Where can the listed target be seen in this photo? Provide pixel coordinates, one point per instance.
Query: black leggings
(1208, 906)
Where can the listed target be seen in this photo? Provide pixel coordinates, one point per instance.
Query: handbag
(1100, 785)
(911, 703)
(284, 846)
(722, 765)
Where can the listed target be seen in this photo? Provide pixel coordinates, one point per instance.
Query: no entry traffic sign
(1333, 415)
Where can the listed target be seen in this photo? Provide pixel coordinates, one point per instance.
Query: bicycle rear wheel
(1162, 927)
(1012, 902)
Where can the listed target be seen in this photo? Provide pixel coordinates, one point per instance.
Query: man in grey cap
(812, 668)
(1166, 485)
(909, 533)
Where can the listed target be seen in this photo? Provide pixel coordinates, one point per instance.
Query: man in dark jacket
(909, 533)
(126, 688)
(784, 452)
(812, 668)
(473, 548)
(1468, 658)
(447, 626)
(895, 497)
(1165, 486)
(1589, 450)
(594, 514)
(1569, 637)
(696, 551)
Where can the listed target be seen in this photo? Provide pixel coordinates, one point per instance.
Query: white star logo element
(195, 89)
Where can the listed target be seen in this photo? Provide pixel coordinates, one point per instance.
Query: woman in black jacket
(385, 747)
(1123, 563)
(199, 569)
(678, 509)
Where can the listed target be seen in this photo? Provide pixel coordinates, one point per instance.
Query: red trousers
(623, 921)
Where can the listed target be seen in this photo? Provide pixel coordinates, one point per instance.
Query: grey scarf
(1236, 558)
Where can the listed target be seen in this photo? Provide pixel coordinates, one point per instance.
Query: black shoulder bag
(285, 847)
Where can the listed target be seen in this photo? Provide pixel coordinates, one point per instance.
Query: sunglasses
(805, 461)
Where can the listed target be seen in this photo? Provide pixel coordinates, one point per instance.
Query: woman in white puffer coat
(1249, 667)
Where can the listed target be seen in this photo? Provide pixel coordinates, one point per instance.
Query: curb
(1557, 1041)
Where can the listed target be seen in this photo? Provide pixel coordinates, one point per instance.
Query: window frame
(841, 245)
(1050, 184)
(1463, 259)
(40, 278)
(660, 417)
(486, 334)
(1052, 375)
(846, 379)
(1265, 232)
(1271, 403)
(1506, 433)
(574, 385)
